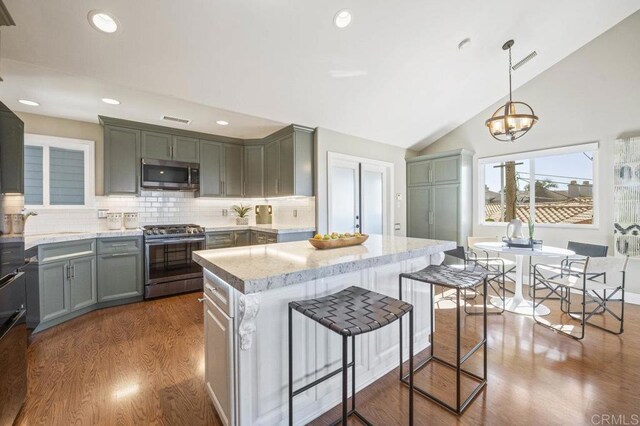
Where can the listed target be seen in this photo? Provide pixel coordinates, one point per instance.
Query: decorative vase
(242, 220)
(114, 221)
(131, 220)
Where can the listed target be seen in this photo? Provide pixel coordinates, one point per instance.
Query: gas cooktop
(180, 230)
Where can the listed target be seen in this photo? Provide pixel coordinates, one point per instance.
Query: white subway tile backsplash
(166, 207)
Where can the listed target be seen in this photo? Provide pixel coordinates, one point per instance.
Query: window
(555, 186)
(58, 172)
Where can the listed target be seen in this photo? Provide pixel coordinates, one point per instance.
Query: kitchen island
(246, 293)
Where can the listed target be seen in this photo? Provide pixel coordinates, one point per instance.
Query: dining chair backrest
(612, 267)
(472, 241)
(590, 250)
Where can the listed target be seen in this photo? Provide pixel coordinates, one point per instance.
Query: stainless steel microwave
(175, 175)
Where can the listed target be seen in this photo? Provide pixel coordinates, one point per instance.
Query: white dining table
(518, 304)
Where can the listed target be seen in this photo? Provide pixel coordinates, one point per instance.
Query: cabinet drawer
(219, 292)
(220, 239)
(119, 245)
(271, 238)
(11, 257)
(67, 250)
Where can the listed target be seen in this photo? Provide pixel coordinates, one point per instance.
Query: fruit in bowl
(317, 237)
(326, 237)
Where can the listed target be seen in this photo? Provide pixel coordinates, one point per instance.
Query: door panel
(219, 359)
(445, 212)
(418, 173)
(54, 290)
(119, 276)
(418, 207)
(156, 145)
(83, 283)
(233, 170)
(344, 201)
(121, 161)
(373, 199)
(210, 169)
(272, 172)
(446, 170)
(11, 154)
(254, 171)
(186, 149)
(286, 184)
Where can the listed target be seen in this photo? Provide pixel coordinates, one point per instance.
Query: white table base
(517, 304)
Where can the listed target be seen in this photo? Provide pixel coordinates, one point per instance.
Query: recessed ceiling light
(222, 122)
(464, 43)
(103, 21)
(342, 19)
(111, 101)
(28, 102)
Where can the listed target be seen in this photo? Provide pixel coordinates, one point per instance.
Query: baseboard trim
(633, 298)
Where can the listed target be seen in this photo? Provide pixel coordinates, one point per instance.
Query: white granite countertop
(253, 269)
(274, 229)
(31, 240)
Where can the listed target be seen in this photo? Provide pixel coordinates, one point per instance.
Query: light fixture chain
(510, 96)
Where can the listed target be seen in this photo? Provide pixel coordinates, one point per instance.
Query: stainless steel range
(169, 265)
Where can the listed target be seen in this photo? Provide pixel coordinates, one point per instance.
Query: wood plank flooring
(143, 364)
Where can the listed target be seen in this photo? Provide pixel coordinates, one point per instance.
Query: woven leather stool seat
(353, 310)
(446, 276)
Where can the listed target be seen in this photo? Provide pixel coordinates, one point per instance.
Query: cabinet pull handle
(201, 299)
(430, 218)
(67, 271)
(119, 254)
(277, 186)
(73, 271)
(120, 245)
(430, 175)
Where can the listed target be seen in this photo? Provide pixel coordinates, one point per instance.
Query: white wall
(592, 95)
(330, 141)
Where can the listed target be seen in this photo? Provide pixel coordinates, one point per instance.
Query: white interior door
(344, 196)
(358, 195)
(373, 198)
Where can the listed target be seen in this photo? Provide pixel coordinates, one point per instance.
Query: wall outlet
(225, 212)
(396, 226)
(398, 197)
(102, 213)
(295, 212)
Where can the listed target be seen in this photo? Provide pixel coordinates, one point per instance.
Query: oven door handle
(15, 318)
(174, 241)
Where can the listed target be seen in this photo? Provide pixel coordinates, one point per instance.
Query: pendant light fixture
(514, 119)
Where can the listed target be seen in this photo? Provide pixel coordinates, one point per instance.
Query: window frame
(47, 142)
(532, 155)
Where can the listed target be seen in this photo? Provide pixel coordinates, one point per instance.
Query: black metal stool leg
(400, 321)
(411, 367)
(458, 366)
(353, 373)
(290, 370)
(345, 378)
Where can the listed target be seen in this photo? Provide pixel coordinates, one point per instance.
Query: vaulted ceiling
(394, 75)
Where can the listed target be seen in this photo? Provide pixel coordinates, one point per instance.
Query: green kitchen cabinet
(11, 153)
(419, 173)
(289, 163)
(185, 149)
(447, 198)
(220, 170)
(55, 299)
(242, 238)
(254, 171)
(120, 275)
(157, 146)
(210, 169)
(419, 205)
(121, 161)
(83, 284)
(232, 180)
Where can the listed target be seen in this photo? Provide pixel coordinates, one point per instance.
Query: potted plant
(243, 214)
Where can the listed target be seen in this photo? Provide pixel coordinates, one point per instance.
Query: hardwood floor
(143, 364)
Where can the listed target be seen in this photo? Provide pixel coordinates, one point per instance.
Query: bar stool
(350, 312)
(458, 280)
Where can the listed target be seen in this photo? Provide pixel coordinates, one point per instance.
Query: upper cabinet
(279, 165)
(11, 152)
(289, 162)
(121, 160)
(220, 170)
(433, 171)
(254, 171)
(163, 146)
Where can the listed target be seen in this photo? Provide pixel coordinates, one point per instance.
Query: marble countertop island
(254, 269)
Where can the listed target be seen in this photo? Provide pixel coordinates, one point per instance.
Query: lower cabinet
(242, 238)
(75, 277)
(119, 276)
(82, 282)
(218, 375)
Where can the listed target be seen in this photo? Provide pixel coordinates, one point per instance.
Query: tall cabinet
(439, 196)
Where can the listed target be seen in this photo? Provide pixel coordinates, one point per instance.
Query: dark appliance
(172, 175)
(13, 333)
(169, 265)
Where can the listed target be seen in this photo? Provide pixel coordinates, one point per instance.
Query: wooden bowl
(338, 242)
